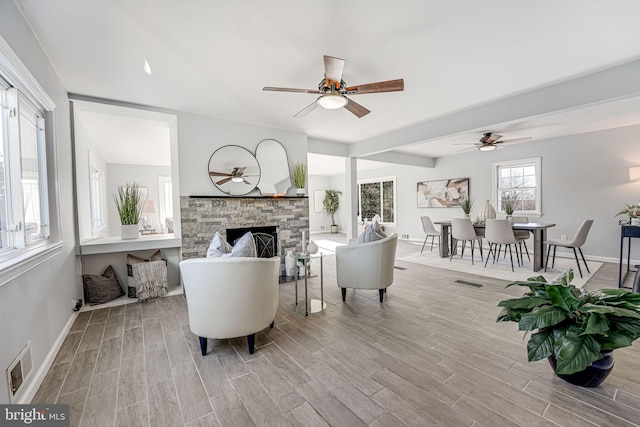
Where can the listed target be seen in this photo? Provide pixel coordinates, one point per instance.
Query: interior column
(351, 196)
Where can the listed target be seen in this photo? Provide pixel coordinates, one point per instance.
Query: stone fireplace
(202, 216)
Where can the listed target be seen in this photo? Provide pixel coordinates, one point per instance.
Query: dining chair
(521, 235)
(499, 232)
(576, 243)
(430, 230)
(462, 230)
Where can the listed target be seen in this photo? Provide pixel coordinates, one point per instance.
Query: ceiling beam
(402, 159)
(600, 87)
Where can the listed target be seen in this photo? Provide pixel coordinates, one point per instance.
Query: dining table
(537, 229)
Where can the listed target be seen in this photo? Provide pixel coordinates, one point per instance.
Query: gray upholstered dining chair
(576, 243)
(521, 235)
(430, 231)
(462, 230)
(499, 232)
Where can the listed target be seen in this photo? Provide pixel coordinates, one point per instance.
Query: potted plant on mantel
(299, 176)
(129, 202)
(577, 330)
(331, 203)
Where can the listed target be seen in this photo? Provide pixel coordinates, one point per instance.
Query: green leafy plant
(331, 203)
(572, 324)
(630, 210)
(509, 201)
(299, 174)
(129, 202)
(466, 205)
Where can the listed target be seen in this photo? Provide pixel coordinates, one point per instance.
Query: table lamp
(148, 208)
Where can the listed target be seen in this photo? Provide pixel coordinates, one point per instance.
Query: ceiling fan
(236, 175)
(490, 141)
(333, 90)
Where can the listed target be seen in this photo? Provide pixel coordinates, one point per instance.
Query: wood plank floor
(431, 354)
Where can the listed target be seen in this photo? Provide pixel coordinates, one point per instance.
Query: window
(166, 198)
(24, 204)
(519, 180)
(378, 196)
(97, 196)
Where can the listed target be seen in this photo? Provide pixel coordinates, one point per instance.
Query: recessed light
(147, 67)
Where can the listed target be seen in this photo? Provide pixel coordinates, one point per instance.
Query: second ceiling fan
(490, 141)
(333, 90)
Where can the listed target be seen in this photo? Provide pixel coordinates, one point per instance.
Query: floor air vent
(464, 282)
(19, 371)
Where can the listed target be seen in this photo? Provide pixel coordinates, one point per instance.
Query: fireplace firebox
(266, 239)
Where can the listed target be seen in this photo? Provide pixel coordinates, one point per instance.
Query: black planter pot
(593, 375)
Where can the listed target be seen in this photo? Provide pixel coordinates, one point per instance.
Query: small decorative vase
(593, 375)
(312, 248)
(467, 216)
(635, 221)
(510, 219)
(487, 212)
(129, 231)
(299, 192)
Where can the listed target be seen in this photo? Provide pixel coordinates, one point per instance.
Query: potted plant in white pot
(129, 202)
(509, 202)
(331, 203)
(576, 330)
(466, 205)
(299, 176)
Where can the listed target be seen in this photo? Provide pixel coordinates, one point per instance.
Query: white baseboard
(36, 380)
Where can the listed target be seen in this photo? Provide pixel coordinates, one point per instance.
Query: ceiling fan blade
(212, 173)
(245, 181)
(288, 89)
(333, 68)
(356, 108)
(465, 149)
(386, 86)
(240, 170)
(464, 143)
(523, 139)
(222, 181)
(306, 110)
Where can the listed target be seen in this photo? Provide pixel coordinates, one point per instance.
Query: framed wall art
(446, 193)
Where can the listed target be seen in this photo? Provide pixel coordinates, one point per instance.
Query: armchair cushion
(245, 247)
(218, 246)
(372, 232)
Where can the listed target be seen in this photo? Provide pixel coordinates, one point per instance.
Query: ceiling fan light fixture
(237, 179)
(488, 147)
(332, 101)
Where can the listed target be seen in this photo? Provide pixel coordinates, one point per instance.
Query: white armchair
(230, 297)
(366, 265)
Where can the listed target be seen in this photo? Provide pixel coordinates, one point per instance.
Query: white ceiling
(213, 58)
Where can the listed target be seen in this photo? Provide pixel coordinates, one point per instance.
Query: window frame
(380, 181)
(532, 161)
(23, 256)
(162, 212)
(101, 199)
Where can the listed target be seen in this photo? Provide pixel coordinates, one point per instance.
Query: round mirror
(234, 170)
(272, 157)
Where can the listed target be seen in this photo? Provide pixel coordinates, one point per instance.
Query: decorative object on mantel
(466, 204)
(129, 202)
(331, 204)
(633, 212)
(234, 170)
(486, 212)
(577, 330)
(274, 168)
(299, 175)
(445, 193)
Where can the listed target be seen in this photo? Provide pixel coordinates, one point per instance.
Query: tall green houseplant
(129, 201)
(331, 203)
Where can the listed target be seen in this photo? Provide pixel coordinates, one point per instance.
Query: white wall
(145, 176)
(200, 136)
(37, 304)
(583, 176)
